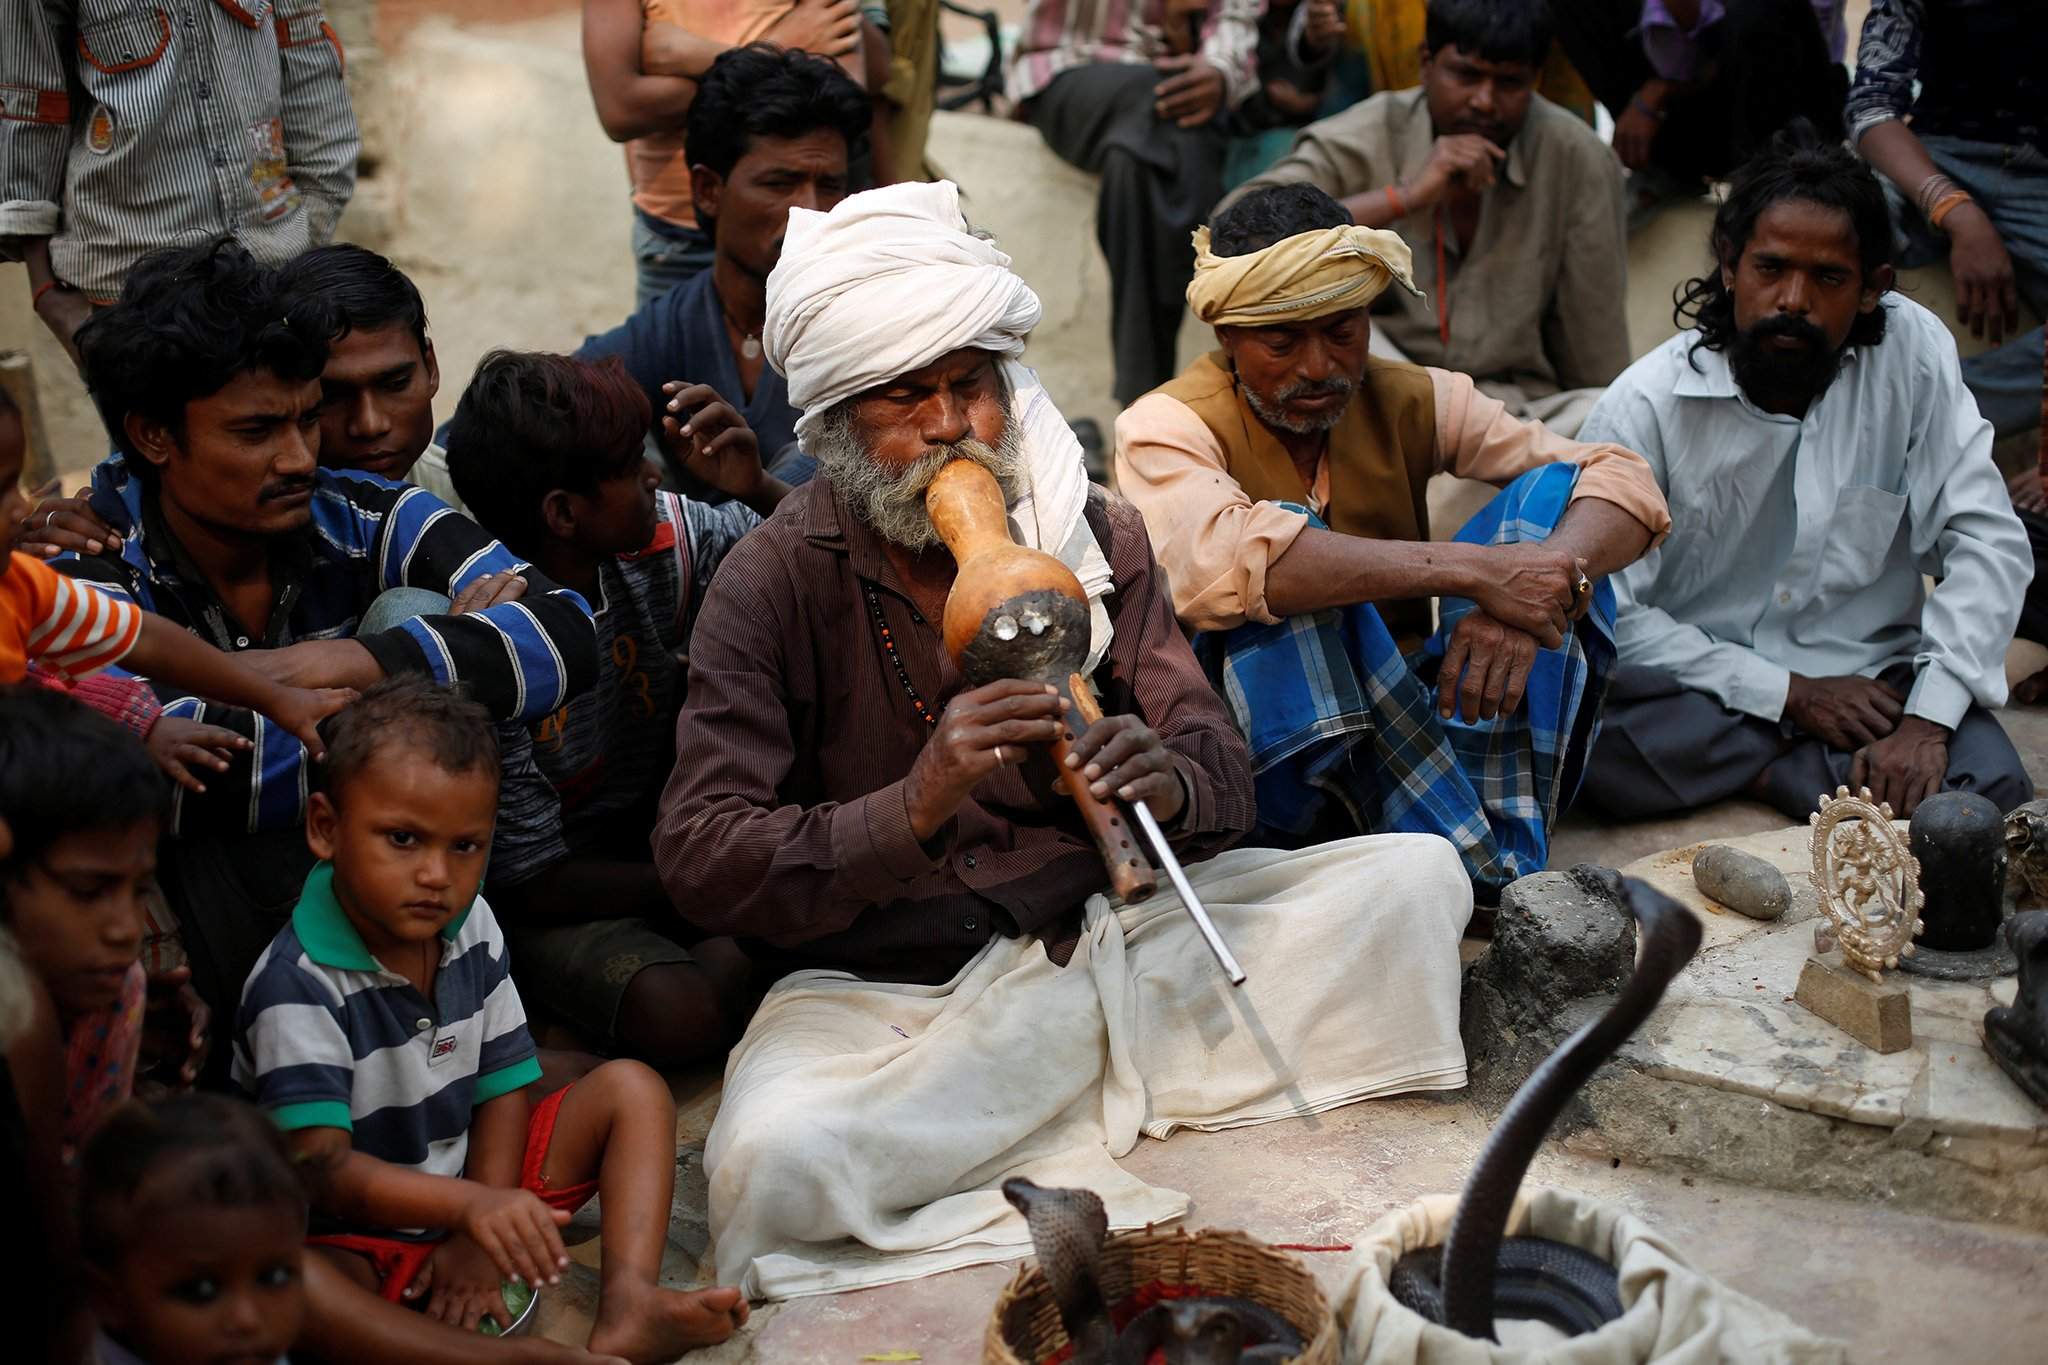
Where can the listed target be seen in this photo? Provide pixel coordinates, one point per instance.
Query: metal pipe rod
(1162, 854)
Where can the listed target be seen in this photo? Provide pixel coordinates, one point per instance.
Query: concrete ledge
(1731, 1078)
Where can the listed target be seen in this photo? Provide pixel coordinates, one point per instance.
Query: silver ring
(1002, 756)
(49, 517)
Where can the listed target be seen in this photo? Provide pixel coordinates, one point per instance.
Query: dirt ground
(493, 186)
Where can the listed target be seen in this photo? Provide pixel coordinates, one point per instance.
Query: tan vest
(1381, 457)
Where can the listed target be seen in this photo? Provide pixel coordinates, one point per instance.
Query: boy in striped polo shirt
(382, 1032)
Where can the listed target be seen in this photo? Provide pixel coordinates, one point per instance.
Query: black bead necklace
(924, 713)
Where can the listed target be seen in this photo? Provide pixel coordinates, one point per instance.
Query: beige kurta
(1216, 544)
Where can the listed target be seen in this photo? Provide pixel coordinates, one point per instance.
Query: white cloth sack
(886, 283)
(1673, 1314)
(866, 1126)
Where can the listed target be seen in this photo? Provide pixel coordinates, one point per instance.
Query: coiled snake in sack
(1485, 1275)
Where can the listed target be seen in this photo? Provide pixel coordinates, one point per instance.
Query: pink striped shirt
(1059, 35)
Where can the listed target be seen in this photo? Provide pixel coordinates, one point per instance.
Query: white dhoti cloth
(866, 1126)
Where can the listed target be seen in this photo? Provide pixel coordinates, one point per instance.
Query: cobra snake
(1486, 1275)
(1483, 1273)
(1068, 1228)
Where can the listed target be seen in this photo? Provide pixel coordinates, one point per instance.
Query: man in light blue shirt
(1820, 455)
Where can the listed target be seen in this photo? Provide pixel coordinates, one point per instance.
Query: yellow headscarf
(1308, 275)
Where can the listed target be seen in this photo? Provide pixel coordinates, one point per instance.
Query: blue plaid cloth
(1332, 711)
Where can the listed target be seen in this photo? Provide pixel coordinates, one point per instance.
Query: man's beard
(1275, 414)
(1775, 378)
(891, 501)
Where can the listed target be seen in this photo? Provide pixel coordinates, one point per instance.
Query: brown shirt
(1539, 301)
(785, 821)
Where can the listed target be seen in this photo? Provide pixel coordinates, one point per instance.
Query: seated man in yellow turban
(1282, 479)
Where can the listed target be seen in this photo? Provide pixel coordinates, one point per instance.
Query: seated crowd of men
(655, 631)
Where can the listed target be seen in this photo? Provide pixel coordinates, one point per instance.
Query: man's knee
(671, 1014)
(773, 1150)
(1982, 759)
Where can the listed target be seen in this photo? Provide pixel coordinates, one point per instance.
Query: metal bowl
(522, 1324)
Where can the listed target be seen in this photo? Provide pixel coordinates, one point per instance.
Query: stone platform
(1733, 1079)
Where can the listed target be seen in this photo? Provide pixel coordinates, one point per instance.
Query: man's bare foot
(648, 1324)
(2031, 688)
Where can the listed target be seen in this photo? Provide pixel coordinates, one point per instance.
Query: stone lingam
(1960, 842)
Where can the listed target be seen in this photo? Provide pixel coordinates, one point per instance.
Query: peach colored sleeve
(1214, 542)
(1476, 438)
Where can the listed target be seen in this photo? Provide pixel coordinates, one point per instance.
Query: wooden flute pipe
(1130, 876)
(1016, 612)
(1142, 817)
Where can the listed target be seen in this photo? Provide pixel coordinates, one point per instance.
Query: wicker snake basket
(1025, 1327)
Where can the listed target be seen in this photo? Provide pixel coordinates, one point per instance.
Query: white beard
(891, 501)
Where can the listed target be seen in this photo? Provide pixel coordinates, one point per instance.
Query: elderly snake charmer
(960, 1002)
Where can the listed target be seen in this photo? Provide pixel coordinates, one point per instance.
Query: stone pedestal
(1879, 1017)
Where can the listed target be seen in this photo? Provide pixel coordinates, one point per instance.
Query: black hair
(188, 322)
(1274, 214)
(762, 90)
(1798, 164)
(238, 1161)
(1493, 30)
(411, 708)
(531, 422)
(366, 291)
(66, 769)
(7, 403)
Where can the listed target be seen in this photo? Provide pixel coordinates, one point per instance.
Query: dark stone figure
(2016, 1035)
(1959, 839)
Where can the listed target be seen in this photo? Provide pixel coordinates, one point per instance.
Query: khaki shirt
(1540, 300)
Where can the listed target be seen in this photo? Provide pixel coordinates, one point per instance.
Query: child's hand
(492, 590)
(460, 1285)
(520, 1234)
(179, 746)
(59, 523)
(301, 709)
(175, 1024)
(711, 438)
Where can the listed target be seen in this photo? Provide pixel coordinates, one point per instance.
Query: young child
(70, 630)
(548, 453)
(382, 1032)
(86, 806)
(193, 1226)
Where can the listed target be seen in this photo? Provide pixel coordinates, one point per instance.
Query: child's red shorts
(398, 1261)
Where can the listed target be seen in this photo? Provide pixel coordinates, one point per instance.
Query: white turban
(887, 283)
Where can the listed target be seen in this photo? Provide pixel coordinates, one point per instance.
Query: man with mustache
(1821, 454)
(845, 801)
(1516, 203)
(769, 131)
(1283, 480)
(208, 375)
